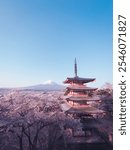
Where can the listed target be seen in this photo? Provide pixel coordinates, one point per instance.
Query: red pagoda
(79, 96)
(81, 103)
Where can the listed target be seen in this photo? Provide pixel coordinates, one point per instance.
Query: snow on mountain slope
(49, 82)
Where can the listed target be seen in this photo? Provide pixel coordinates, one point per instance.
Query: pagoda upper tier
(77, 79)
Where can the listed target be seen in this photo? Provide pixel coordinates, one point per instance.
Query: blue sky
(39, 40)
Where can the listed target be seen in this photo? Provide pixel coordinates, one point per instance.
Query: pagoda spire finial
(75, 68)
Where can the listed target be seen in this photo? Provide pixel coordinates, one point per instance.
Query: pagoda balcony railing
(77, 85)
(77, 105)
(77, 94)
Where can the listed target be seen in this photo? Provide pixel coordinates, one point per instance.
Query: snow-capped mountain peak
(49, 82)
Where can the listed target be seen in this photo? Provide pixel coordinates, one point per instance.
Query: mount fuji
(47, 85)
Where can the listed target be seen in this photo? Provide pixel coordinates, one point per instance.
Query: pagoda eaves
(85, 110)
(78, 80)
(81, 88)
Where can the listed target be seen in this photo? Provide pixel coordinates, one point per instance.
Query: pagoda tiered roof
(80, 88)
(84, 110)
(79, 95)
(85, 98)
(77, 79)
(80, 110)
